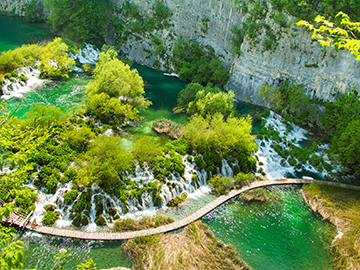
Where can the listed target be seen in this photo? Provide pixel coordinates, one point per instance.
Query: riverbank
(194, 248)
(341, 207)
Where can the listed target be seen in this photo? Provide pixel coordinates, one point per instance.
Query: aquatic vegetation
(125, 225)
(199, 249)
(341, 207)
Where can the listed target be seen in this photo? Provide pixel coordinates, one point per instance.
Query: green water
(282, 233)
(15, 31)
(40, 251)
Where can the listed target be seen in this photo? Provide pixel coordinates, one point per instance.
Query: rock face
(323, 71)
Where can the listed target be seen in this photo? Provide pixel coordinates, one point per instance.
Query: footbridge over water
(180, 223)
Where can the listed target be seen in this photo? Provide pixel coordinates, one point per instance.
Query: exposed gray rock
(323, 71)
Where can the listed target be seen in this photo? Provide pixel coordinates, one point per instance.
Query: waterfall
(17, 88)
(87, 55)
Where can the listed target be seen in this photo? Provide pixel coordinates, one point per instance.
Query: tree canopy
(116, 93)
(83, 20)
(103, 162)
(341, 36)
(215, 133)
(55, 61)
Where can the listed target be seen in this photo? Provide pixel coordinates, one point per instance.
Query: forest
(51, 149)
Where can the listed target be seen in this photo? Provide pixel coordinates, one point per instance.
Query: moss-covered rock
(175, 202)
(100, 221)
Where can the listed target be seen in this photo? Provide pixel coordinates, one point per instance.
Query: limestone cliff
(323, 71)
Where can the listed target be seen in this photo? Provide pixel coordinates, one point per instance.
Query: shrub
(7, 76)
(70, 196)
(221, 185)
(100, 221)
(178, 200)
(50, 217)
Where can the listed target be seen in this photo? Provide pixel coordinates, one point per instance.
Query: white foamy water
(17, 88)
(274, 165)
(87, 55)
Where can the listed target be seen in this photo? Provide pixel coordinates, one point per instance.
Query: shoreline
(339, 206)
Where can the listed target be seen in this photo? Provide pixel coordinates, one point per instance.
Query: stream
(281, 233)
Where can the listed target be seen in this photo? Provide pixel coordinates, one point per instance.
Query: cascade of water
(87, 55)
(17, 88)
(273, 164)
(226, 170)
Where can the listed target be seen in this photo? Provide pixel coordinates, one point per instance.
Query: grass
(192, 249)
(257, 194)
(128, 225)
(341, 207)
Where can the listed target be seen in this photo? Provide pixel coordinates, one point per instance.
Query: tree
(116, 92)
(83, 20)
(26, 55)
(331, 35)
(43, 116)
(12, 254)
(103, 162)
(349, 147)
(55, 61)
(146, 149)
(215, 133)
(220, 185)
(79, 139)
(210, 103)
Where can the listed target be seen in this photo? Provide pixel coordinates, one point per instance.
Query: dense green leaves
(80, 20)
(217, 134)
(331, 35)
(104, 162)
(55, 61)
(309, 9)
(116, 93)
(196, 99)
(26, 55)
(199, 64)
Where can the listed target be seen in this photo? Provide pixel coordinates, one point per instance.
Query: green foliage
(55, 61)
(331, 35)
(209, 103)
(348, 147)
(221, 185)
(135, 22)
(116, 92)
(178, 200)
(146, 149)
(255, 26)
(88, 265)
(309, 9)
(34, 11)
(199, 64)
(103, 162)
(11, 254)
(26, 55)
(25, 200)
(196, 99)
(43, 116)
(242, 179)
(128, 225)
(80, 20)
(289, 98)
(70, 196)
(217, 134)
(79, 139)
(50, 217)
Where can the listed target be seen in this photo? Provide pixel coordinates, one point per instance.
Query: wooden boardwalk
(180, 223)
